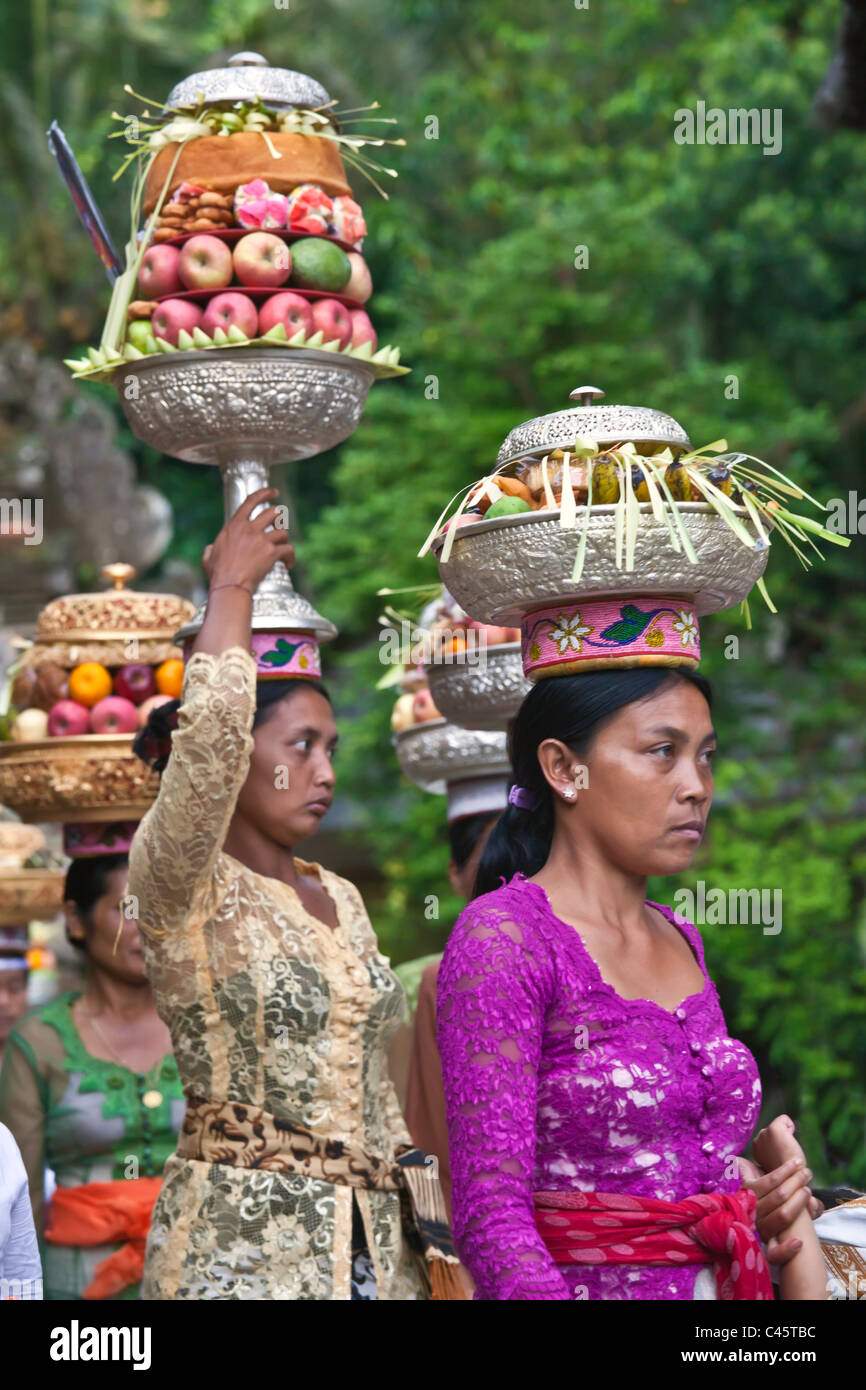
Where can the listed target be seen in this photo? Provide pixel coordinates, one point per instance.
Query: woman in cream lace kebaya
(267, 971)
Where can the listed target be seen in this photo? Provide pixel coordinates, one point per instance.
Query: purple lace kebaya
(555, 1081)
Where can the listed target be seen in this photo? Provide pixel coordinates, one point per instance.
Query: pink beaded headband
(595, 634)
(281, 655)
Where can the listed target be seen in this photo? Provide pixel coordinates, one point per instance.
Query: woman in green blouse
(90, 1089)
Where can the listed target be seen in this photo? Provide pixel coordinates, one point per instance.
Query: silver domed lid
(246, 77)
(606, 424)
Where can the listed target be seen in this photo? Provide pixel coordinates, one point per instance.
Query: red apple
(262, 259)
(113, 715)
(464, 519)
(68, 719)
(158, 272)
(360, 284)
(291, 310)
(231, 309)
(423, 707)
(171, 316)
(333, 320)
(153, 703)
(205, 263)
(135, 682)
(362, 329)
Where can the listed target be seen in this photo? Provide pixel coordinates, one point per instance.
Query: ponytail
(572, 709)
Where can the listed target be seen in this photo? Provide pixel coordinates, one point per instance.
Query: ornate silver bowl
(482, 694)
(438, 752)
(270, 405)
(245, 411)
(500, 570)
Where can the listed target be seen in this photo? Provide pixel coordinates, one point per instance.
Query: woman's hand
(244, 552)
(235, 565)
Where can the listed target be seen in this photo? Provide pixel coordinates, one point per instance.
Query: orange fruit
(90, 683)
(169, 677)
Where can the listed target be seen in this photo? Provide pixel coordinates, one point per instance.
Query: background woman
(425, 1099)
(583, 1046)
(267, 971)
(89, 1088)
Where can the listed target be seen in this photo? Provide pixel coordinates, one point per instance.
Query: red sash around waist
(99, 1213)
(594, 1228)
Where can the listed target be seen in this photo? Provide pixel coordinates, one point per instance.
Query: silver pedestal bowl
(438, 752)
(484, 693)
(244, 410)
(500, 570)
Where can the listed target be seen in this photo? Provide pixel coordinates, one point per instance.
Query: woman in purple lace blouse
(583, 1045)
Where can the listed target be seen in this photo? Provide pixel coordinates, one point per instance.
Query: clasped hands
(779, 1179)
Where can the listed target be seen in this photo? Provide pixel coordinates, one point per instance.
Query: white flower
(687, 626)
(567, 635)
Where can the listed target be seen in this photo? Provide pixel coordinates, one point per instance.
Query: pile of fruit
(414, 706)
(234, 201)
(453, 631)
(49, 701)
(188, 300)
(535, 483)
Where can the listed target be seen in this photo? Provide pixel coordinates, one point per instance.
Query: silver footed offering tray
(437, 752)
(221, 407)
(238, 332)
(483, 694)
(631, 505)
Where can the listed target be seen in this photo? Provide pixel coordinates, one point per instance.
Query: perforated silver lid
(246, 77)
(607, 424)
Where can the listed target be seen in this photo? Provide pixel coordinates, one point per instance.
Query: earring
(570, 793)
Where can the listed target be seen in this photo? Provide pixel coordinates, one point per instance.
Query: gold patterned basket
(29, 893)
(25, 893)
(91, 777)
(113, 628)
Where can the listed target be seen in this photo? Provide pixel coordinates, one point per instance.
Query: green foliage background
(555, 131)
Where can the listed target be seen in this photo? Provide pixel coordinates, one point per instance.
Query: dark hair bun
(153, 744)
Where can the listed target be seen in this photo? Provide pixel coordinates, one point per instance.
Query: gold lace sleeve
(172, 854)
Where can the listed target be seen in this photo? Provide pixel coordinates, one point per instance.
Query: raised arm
(180, 836)
(492, 992)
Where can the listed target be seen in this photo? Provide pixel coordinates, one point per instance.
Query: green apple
(318, 264)
(506, 506)
(140, 334)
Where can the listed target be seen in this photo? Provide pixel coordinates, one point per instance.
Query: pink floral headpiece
(592, 634)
